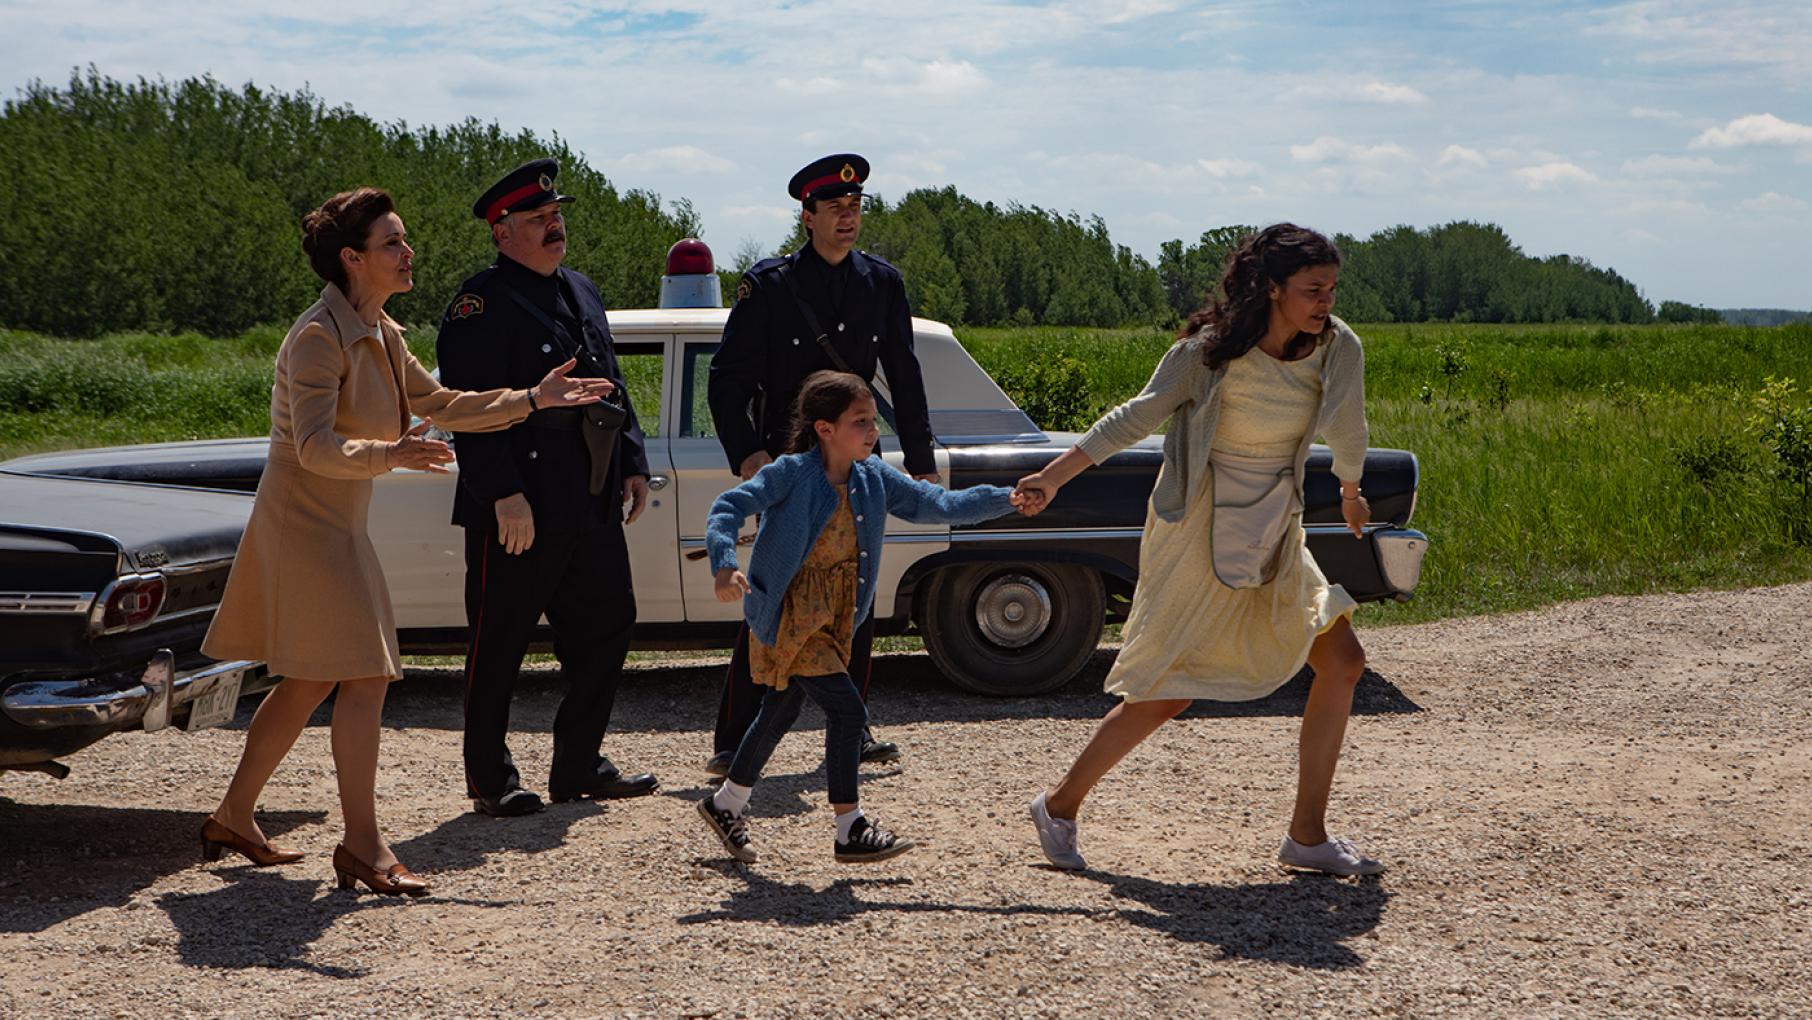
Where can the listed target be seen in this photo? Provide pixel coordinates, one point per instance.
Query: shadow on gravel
(466, 841)
(906, 688)
(268, 919)
(782, 795)
(794, 904)
(1302, 921)
(68, 859)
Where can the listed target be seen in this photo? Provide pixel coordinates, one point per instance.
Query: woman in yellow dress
(1230, 604)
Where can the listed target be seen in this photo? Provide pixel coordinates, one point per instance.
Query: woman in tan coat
(306, 594)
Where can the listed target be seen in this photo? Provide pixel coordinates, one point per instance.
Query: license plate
(217, 704)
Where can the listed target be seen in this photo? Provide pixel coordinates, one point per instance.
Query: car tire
(1012, 629)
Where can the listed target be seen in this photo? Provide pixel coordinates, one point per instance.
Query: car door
(701, 473)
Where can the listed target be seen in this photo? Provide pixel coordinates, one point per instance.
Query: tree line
(151, 205)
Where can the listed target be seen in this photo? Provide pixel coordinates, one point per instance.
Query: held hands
(515, 524)
(556, 390)
(1033, 493)
(417, 453)
(732, 584)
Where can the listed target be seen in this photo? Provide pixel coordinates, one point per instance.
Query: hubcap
(1013, 610)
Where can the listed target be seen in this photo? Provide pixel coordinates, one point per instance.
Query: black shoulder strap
(811, 320)
(580, 354)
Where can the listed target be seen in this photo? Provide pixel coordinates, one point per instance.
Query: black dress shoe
(608, 783)
(719, 763)
(879, 752)
(509, 804)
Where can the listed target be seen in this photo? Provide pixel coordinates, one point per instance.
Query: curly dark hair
(343, 221)
(1238, 312)
(824, 396)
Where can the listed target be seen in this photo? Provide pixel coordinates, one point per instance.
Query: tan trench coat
(306, 594)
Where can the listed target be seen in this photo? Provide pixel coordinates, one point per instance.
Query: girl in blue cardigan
(823, 508)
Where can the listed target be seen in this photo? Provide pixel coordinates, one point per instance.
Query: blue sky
(1668, 139)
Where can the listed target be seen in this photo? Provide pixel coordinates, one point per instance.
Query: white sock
(732, 797)
(845, 822)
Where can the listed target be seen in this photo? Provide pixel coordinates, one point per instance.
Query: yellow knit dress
(818, 619)
(1190, 636)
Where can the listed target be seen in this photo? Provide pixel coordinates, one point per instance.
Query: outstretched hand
(418, 453)
(556, 390)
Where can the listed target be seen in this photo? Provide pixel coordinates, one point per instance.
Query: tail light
(128, 603)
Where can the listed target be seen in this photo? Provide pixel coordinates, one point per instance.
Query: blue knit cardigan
(795, 500)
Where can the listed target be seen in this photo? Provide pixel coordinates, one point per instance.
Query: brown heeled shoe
(398, 881)
(216, 837)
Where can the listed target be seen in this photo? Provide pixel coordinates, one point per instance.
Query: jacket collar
(807, 256)
(346, 321)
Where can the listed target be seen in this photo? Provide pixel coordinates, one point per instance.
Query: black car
(106, 591)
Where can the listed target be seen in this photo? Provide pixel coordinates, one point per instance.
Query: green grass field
(1557, 461)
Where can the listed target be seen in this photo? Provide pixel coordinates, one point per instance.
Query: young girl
(811, 579)
(1230, 603)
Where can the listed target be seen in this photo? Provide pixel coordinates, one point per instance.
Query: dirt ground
(1596, 809)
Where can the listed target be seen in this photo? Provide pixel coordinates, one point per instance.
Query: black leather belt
(557, 419)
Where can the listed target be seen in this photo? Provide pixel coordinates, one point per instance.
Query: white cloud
(1640, 236)
(902, 75)
(1459, 155)
(1220, 168)
(687, 159)
(1666, 166)
(1385, 92)
(1755, 129)
(1771, 201)
(1328, 148)
(818, 86)
(761, 213)
(1548, 175)
(1651, 113)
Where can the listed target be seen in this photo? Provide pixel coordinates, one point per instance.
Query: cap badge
(546, 182)
(465, 306)
(847, 174)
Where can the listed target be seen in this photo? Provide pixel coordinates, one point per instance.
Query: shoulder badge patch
(465, 306)
(743, 288)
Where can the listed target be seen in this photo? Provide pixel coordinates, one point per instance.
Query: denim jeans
(844, 720)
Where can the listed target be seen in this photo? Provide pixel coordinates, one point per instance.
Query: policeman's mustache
(554, 237)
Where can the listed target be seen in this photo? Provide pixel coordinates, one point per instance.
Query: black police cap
(841, 174)
(529, 186)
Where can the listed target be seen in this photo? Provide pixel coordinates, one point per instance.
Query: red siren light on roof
(689, 256)
(691, 280)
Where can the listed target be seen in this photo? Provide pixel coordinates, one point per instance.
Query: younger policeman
(542, 501)
(825, 306)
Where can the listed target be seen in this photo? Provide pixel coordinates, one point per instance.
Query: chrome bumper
(89, 701)
(1400, 552)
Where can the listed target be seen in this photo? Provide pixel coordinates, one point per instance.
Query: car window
(641, 364)
(695, 407)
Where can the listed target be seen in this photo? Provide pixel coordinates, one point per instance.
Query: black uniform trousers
(741, 700)
(581, 580)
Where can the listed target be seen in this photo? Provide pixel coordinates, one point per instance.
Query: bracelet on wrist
(1357, 494)
(531, 400)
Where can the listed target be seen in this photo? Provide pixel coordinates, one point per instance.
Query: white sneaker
(1057, 836)
(1337, 856)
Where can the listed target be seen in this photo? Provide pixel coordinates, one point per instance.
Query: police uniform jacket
(768, 350)
(508, 327)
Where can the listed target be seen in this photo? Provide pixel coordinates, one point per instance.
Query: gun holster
(603, 420)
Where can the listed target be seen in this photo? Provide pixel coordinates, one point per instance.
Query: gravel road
(1599, 808)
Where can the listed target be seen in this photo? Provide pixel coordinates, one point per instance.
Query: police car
(1012, 606)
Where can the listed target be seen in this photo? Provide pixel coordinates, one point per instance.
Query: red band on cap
(806, 192)
(502, 205)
